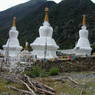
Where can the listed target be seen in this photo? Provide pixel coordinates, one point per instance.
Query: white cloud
(93, 1)
(4, 4)
(57, 1)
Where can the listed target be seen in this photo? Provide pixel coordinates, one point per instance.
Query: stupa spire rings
(14, 21)
(26, 46)
(46, 14)
(84, 20)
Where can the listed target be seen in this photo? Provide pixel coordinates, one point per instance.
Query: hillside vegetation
(65, 18)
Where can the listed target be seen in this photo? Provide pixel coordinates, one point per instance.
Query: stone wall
(78, 64)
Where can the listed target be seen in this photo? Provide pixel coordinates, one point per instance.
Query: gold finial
(26, 46)
(46, 14)
(84, 20)
(14, 21)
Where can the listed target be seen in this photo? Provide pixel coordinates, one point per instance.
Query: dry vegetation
(68, 83)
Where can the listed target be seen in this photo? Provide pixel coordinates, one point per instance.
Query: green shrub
(27, 73)
(54, 71)
(36, 71)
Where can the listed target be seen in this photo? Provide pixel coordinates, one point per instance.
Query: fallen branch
(73, 81)
(45, 86)
(19, 90)
(40, 87)
(34, 87)
(81, 93)
(31, 83)
(45, 91)
(32, 92)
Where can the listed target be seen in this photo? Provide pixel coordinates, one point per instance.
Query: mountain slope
(69, 18)
(65, 17)
(19, 11)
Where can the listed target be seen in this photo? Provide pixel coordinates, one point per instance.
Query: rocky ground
(75, 83)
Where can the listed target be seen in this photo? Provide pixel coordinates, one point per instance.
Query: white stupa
(25, 55)
(12, 47)
(83, 45)
(45, 46)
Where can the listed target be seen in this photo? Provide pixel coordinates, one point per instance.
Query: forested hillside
(65, 18)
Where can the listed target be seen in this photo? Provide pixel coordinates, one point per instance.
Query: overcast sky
(4, 4)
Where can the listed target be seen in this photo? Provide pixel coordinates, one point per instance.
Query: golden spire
(84, 20)
(26, 46)
(46, 14)
(14, 21)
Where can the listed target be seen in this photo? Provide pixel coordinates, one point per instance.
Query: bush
(36, 71)
(54, 71)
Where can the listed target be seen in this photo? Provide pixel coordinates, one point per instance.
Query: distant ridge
(64, 17)
(19, 11)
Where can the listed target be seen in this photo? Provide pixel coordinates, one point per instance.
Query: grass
(67, 87)
(60, 87)
(4, 87)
